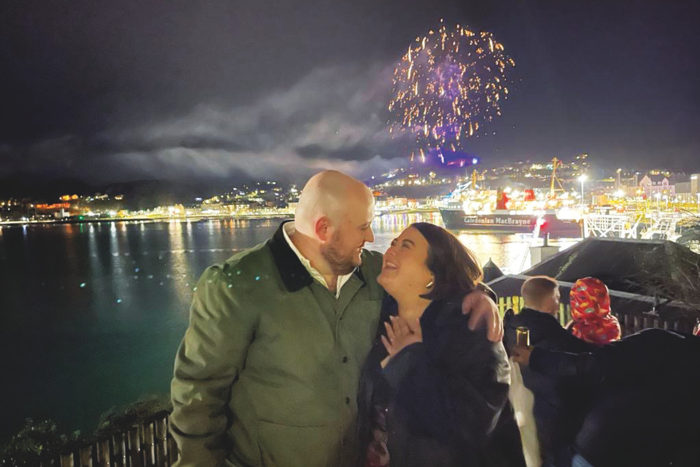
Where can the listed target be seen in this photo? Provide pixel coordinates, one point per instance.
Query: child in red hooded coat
(590, 312)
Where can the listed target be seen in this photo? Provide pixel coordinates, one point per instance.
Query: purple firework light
(447, 86)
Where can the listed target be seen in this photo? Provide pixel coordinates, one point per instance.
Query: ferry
(511, 222)
(511, 212)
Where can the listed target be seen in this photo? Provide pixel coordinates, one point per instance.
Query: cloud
(178, 163)
(332, 118)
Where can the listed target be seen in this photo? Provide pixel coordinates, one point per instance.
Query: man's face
(343, 251)
(552, 303)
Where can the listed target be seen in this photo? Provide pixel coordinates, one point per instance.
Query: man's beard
(341, 264)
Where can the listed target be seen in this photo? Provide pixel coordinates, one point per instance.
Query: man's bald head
(334, 217)
(332, 195)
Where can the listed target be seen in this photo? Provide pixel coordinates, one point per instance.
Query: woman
(433, 392)
(590, 312)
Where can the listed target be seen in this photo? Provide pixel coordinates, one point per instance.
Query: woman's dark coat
(448, 395)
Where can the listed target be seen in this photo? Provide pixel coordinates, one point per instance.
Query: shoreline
(185, 219)
(142, 219)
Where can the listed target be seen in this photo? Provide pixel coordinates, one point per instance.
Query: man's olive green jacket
(268, 371)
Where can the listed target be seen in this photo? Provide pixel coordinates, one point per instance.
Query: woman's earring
(429, 284)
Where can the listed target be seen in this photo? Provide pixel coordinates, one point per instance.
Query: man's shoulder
(548, 333)
(250, 255)
(543, 328)
(533, 318)
(242, 264)
(526, 317)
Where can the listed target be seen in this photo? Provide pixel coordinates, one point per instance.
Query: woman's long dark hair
(455, 267)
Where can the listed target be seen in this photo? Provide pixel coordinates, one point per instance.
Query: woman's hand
(521, 355)
(400, 334)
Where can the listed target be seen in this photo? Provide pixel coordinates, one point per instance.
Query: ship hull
(456, 219)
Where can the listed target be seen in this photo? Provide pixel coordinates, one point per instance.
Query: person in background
(590, 312)
(646, 410)
(433, 392)
(559, 408)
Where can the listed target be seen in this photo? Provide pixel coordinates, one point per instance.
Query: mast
(555, 163)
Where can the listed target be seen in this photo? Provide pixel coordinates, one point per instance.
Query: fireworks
(446, 87)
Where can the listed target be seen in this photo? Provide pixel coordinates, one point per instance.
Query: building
(687, 191)
(652, 185)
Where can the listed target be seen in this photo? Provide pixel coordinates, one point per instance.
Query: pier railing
(146, 444)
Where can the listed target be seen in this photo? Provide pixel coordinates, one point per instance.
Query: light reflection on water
(91, 314)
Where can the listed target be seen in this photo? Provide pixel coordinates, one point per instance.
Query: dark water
(91, 315)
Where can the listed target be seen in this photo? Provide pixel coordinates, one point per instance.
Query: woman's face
(404, 271)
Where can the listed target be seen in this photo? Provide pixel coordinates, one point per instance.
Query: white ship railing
(610, 225)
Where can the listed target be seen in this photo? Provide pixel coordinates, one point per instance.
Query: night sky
(109, 91)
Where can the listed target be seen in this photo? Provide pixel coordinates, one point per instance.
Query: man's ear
(322, 228)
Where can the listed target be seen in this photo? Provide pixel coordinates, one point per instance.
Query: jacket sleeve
(617, 361)
(585, 368)
(207, 364)
(567, 342)
(463, 400)
(488, 291)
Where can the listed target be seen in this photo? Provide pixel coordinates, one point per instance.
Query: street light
(657, 195)
(582, 178)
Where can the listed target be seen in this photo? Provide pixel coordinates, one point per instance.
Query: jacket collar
(294, 275)
(531, 314)
(540, 324)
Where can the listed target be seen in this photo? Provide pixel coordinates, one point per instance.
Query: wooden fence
(148, 444)
(630, 322)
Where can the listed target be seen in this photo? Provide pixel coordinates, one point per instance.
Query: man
(268, 371)
(559, 408)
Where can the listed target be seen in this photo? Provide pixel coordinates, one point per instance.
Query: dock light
(582, 178)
